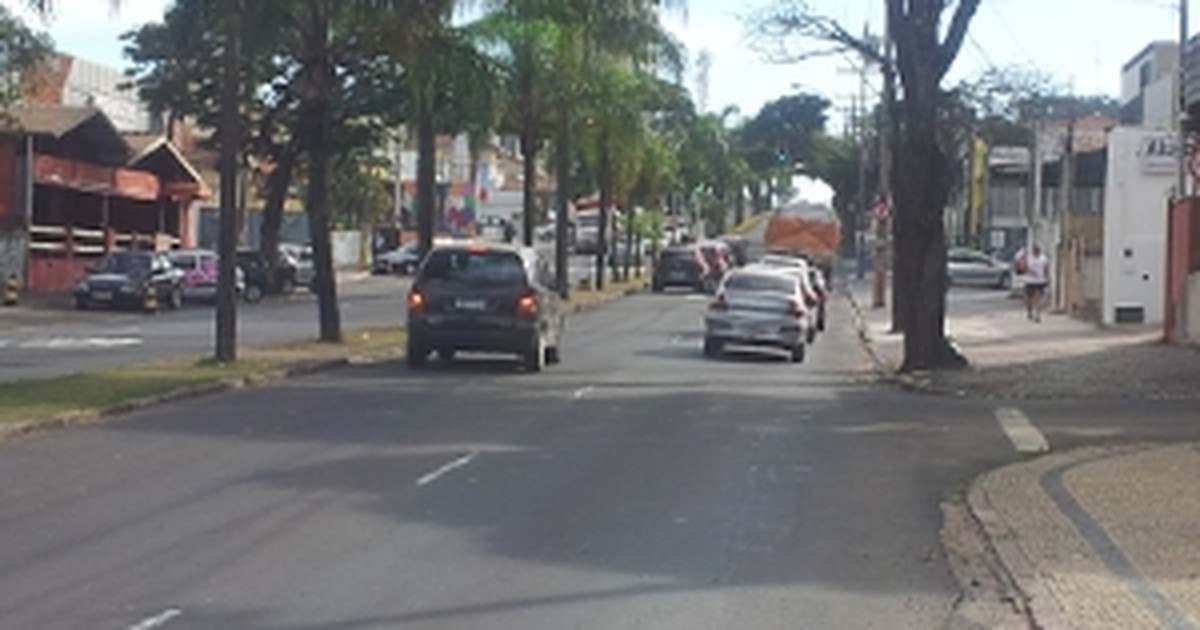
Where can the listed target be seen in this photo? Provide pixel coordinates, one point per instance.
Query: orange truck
(806, 229)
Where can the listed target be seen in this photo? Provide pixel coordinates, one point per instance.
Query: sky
(1081, 43)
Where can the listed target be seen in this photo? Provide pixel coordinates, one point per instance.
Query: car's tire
(534, 358)
(416, 355)
(552, 356)
(712, 347)
(1005, 282)
(810, 334)
(797, 353)
(446, 354)
(252, 293)
(175, 298)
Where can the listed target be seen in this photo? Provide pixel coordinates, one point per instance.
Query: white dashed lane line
(425, 480)
(1025, 437)
(157, 621)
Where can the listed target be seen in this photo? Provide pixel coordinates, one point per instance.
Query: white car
(812, 296)
(759, 307)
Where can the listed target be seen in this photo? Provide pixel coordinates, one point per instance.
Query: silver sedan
(758, 307)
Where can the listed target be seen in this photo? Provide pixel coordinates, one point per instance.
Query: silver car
(970, 267)
(759, 307)
(809, 276)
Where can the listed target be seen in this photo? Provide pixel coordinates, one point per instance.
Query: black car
(124, 278)
(682, 266)
(488, 298)
(259, 280)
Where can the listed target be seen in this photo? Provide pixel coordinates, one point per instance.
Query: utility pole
(883, 226)
(230, 135)
(1066, 185)
(1181, 152)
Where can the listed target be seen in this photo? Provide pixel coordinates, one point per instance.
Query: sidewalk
(1011, 357)
(1100, 538)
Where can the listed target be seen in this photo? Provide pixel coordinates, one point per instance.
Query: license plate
(677, 275)
(102, 295)
(470, 305)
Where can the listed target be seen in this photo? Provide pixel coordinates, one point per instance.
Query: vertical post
(883, 228)
(226, 332)
(1066, 186)
(1181, 94)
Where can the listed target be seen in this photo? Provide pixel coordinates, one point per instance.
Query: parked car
(302, 257)
(761, 307)
(258, 278)
(200, 271)
(124, 278)
(970, 267)
(485, 297)
(682, 266)
(403, 260)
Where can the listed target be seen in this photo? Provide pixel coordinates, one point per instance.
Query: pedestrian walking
(1034, 266)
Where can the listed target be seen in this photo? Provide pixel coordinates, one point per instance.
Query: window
(474, 267)
(763, 283)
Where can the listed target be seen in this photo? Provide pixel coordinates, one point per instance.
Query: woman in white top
(1035, 267)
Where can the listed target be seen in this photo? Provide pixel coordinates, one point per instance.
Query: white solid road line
(157, 620)
(1020, 431)
(458, 463)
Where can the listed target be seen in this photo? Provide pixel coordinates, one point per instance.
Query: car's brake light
(527, 305)
(795, 309)
(718, 304)
(416, 302)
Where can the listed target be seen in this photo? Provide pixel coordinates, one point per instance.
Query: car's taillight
(718, 304)
(527, 305)
(796, 309)
(416, 302)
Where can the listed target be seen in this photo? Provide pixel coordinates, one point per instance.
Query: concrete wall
(1139, 180)
(1159, 105)
(12, 254)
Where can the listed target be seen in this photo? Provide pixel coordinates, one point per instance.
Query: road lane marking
(442, 470)
(1020, 431)
(157, 620)
(76, 343)
(584, 391)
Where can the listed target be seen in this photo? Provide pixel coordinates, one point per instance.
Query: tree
(925, 49)
(24, 50)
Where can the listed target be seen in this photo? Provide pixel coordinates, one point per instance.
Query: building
(73, 189)
(71, 81)
(1148, 86)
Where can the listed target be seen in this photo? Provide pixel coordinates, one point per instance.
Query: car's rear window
(474, 267)
(760, 282)
(679, 254)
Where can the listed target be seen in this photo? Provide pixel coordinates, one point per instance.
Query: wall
(347, 248)
(12, 254)
(1192, 331)
(56, 273)
(1139, 181)
(1159, 105)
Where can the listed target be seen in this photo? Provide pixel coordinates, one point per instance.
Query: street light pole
(1181, 94)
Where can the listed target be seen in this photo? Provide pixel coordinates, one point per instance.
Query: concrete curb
(908, 382)
(66, 419)
(1038, 602)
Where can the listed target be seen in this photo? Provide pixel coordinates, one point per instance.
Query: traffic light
(781, 156)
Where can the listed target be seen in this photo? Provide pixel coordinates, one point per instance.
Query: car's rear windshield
(679, 254)
(760, 282)
(124, 263)
(474, 267)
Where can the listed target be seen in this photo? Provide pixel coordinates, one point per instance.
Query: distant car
(719, 257)
(759, 307)
(682, 266)
(302, 257)
(970, 267)
(124, 279)
(739, 247)
(200, 271)
(403, 260)
(488, 298)
(258, 279)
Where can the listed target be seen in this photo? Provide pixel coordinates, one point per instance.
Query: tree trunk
(562, 197)
(739, 206)
(230, 135)
(426, 168)
(529, 153)
(278, 183)
(605, 177)
(317, 199)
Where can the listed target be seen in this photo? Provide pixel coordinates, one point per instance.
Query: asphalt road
(637, 485)
(46, 342)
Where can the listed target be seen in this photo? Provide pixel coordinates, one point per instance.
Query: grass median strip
(112, 387)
